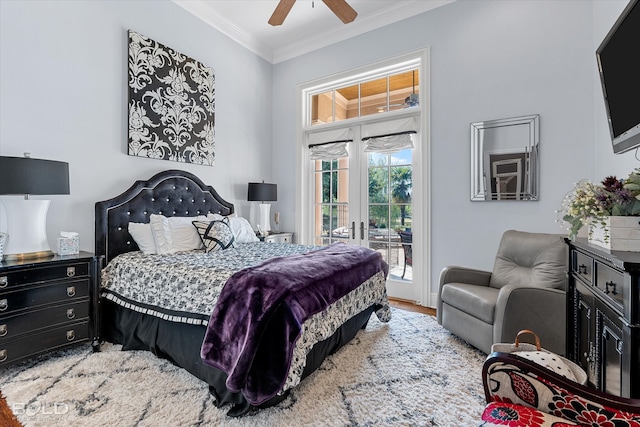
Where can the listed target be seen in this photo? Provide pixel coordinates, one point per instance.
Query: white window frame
(421, 200)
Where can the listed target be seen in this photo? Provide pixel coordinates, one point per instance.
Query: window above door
(376, 92)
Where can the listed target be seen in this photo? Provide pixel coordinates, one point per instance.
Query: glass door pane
(331, 205)
(389, 210)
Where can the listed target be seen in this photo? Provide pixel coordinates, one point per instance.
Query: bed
(242, 319)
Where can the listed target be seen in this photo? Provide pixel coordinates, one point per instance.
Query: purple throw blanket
(255, 323)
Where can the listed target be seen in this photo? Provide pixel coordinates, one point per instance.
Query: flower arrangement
(590, 203)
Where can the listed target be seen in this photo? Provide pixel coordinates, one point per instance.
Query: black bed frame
(169, 193)
(180, 193)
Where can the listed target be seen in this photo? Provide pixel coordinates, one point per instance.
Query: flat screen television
(619, 64)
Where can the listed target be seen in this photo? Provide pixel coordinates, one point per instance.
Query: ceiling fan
(339, 7)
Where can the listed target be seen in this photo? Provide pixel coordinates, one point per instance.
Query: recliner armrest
(457, 274)
(454, 273)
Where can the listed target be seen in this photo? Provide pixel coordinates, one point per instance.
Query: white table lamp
(262, 192)
(27, 218)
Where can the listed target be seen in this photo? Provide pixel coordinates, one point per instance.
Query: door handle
(353, 230)
(361, 230)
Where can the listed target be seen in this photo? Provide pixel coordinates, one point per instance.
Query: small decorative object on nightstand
(47, 304)
(276, 221)
(282, 237)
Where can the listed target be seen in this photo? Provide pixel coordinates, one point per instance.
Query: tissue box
(68, 245)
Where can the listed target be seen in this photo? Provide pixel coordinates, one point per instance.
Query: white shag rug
(409, 372)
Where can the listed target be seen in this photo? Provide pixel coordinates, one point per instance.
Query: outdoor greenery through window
(390, 190)
(389, 199)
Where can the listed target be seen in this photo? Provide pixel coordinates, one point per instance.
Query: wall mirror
(504, 159)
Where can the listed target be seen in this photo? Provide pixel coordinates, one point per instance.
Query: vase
(617, 233)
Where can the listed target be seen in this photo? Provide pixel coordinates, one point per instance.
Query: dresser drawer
(27, 276)
(13, 326)
(611, 283)
(582, 266)
(43, 341)
(32, 297)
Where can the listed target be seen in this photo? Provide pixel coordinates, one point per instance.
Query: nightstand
(279, 237)
(47, 304)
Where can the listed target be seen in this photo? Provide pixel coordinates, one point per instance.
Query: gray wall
(63, 96)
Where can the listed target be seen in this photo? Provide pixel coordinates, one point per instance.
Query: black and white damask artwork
(171, 104)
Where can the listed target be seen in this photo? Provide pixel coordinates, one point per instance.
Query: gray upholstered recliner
(526, 290)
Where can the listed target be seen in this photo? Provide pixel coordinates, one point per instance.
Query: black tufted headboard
(170, 193)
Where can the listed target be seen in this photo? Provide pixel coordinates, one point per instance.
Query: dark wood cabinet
(603, 317)
(47, 304)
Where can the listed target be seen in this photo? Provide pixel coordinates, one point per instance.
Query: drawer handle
(582, 269)
(71, 335)
(71, 291)
(4, 281)
(3, 330)
(71, 271)
(613, 285)
(3, 355)
(4, 304)
(71, 313)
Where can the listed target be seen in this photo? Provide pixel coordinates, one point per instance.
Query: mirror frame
(519, 161)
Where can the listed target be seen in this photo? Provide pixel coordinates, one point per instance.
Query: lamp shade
(24, 175)
(262, 192)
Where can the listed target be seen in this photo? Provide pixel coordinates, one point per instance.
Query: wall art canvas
(171, 104)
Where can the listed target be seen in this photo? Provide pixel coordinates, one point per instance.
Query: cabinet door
(585, 343)
(610, 351)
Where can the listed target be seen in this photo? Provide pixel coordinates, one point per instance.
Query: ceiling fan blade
(342, 10)
(281, 12)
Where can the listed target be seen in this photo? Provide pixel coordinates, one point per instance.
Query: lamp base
(265, 221)
(28, 256)
(26, 229)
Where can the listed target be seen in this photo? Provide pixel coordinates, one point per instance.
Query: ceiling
(310, 24)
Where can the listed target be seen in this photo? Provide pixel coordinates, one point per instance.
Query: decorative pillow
(143, 236)
(241, 228)
(551, 361)
(175, 234)
(215, 235)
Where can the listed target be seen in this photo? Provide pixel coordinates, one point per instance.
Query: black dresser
(603, 317)
(47, 304)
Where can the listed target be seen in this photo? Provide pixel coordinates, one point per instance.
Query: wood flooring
(7, 419)
(411, 306)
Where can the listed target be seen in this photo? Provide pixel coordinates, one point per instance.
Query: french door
(365, 198)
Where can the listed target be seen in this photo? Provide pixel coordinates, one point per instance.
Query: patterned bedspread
(182, 287)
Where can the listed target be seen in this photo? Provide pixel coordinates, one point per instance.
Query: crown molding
(220, 23)
(403, 10)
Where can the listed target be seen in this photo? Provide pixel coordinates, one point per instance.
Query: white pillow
(242, 230)
(143, 236)
(176, 233)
